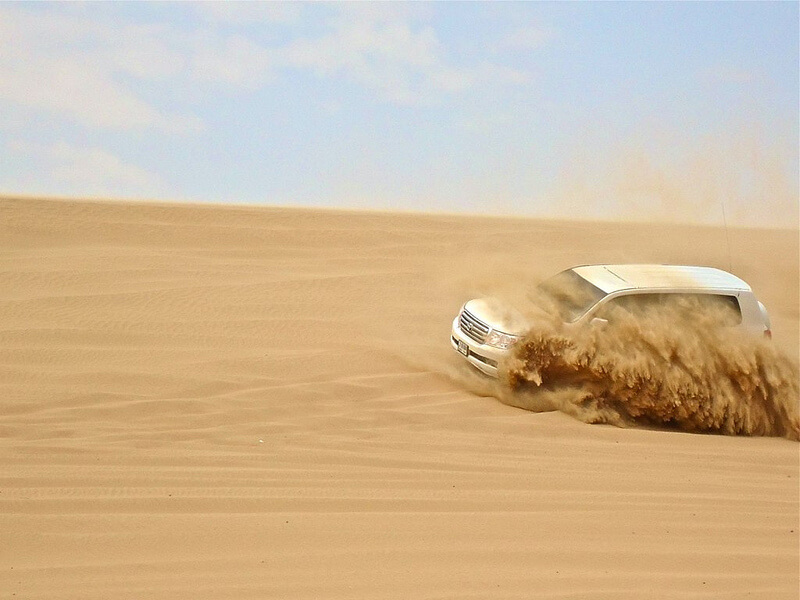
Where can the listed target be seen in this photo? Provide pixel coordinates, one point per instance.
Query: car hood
(498, 315)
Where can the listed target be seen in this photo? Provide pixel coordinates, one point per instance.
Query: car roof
(615, 278)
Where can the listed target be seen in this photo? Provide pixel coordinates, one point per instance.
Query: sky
(598, 110)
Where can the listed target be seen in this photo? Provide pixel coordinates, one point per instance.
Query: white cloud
(382, 13)
(70, 66)
(227, 61)
(92, 67)
(390, 56)
(90, 70)
(402, 65)
(67, 169)
(141, 51)
(247, 13)
(729, 74)
(531, 37)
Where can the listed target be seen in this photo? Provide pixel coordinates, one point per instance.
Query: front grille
(472, 327)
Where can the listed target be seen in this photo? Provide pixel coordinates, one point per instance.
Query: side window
(637, 305)
(685, 306)
(721, 307)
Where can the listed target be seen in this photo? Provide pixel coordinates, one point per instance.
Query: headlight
(501, 340)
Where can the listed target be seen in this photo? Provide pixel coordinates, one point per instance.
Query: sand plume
(676, 368)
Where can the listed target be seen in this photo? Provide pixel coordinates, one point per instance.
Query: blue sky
(581, 110)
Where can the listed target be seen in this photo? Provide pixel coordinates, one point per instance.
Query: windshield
(569, 295)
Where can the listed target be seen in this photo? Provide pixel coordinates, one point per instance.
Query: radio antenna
(727, 238)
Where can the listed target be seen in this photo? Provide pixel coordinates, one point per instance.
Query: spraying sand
(677, 366)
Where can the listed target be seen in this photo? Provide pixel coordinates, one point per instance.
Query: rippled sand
(226, 402)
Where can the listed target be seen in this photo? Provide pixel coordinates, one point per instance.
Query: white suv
(486, 329)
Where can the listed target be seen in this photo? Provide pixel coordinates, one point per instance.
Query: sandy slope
(205, 402)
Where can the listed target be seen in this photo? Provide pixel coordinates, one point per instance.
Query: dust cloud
(662, 175)
(678, 366)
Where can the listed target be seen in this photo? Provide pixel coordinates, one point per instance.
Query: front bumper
(482, 357)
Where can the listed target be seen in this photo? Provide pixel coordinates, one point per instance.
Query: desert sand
(243, 402)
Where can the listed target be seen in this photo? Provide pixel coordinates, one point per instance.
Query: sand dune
(230, 402)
